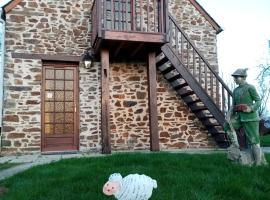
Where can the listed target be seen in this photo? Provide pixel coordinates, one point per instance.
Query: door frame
(61, 64)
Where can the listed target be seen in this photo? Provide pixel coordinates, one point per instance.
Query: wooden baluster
(173, 35)
(119, 15)
(104, 14)
(165, 15)
(126, 21)
(182, 46)
(121, 8)
(229, 100)
(162, 17)
(223, 100)
(133, 15)
(170, 32)
(141, 17)
(205, 77)
(200, 70)
(112, 14)
(217, 92)
(211, 85)
(99, 17)
(155, 15)
(148, 20)
(176, 41)
(188, 55)
(123, 15)
(194, 63)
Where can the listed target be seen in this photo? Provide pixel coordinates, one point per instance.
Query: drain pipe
(2, 64)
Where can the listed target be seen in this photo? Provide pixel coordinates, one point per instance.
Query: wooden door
(60, 107)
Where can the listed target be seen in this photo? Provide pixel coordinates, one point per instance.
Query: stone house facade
(45, 41)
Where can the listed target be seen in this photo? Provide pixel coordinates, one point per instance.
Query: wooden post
(152, 102)
(105, 111)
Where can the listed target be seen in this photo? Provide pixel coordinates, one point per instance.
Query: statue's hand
(247, 110)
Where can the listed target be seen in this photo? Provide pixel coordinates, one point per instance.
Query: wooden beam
(11, 5)
(105, 111)
(137, 49)
(134, 36)
(152, 102)
(57, 57)
(119, 48)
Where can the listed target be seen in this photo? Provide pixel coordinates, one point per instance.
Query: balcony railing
(144, 16)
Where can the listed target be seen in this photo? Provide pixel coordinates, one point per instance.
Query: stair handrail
(171, 18)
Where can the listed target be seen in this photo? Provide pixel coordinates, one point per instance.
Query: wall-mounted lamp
(88, 59)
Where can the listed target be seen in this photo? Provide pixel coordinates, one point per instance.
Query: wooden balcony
(129, 28)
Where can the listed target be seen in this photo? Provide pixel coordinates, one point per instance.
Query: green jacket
(247, 94)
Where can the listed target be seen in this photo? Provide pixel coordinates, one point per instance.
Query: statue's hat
(240, 72)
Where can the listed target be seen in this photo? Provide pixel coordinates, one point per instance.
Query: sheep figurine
(131, 187)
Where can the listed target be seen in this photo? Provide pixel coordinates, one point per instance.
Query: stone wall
(90, 108)
(129, 106)
(22, 105)
(51, 27)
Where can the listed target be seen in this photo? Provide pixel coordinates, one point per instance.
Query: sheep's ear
(115, 177)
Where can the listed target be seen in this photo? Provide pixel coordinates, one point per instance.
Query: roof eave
(12, 4)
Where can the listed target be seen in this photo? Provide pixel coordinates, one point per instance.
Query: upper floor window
(118, 14)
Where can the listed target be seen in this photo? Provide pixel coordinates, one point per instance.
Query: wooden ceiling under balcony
(129, 28)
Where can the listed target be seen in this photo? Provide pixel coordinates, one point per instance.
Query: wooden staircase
(195, 81)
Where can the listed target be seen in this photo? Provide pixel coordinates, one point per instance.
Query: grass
(265, 140)
(7, 165)
(179, 176)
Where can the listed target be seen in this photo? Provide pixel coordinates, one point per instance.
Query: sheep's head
(111, 187)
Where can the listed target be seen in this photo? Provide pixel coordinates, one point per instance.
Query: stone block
(11, 118)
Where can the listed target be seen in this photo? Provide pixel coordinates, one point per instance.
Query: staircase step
(189, 100)
(202, 115)
(164, 66)
(167, 69)
(160, 57)
(221, 138)
(174, 78)
(197, 108)
(184, 92)
(180, 85)
(215, 130)
(209, 122)
(161, 61)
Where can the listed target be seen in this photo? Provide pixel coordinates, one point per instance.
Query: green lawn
(265, 140)
(179, 177)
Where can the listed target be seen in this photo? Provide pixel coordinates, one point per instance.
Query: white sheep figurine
(131, 187)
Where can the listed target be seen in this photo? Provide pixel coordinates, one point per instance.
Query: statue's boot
(258, 155)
